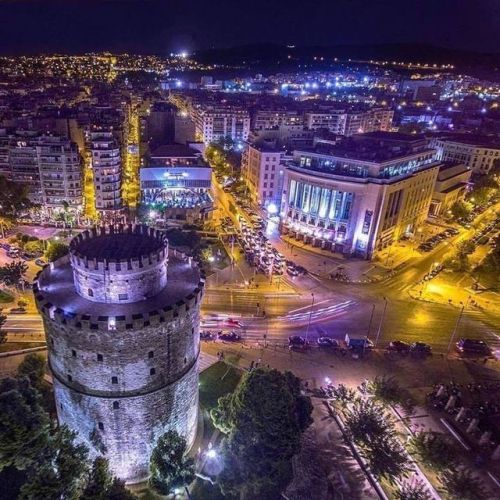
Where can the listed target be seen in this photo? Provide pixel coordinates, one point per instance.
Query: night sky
(162, 26)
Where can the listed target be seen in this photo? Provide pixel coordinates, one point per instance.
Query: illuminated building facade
(121, 318)
(181, 193)
(358, 197)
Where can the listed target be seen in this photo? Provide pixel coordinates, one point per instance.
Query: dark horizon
(162, 26)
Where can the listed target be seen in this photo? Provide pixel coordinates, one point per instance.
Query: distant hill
(272, 54)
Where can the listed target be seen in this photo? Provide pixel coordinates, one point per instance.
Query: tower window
(151, 354)
(152, 371)
(70, 378)
(114, 380)
(99, 357)
(73, 353)
(122, 296)
(90, 292)
(100, 425)
(116, 405)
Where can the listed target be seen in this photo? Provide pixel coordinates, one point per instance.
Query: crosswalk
(206, 361)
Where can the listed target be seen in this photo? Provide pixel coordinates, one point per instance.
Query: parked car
(399, 346)
(473, 346)
(207, 335)
(420, 349)
(40, 262)
(358, 343)
(17, 310)
(297, 341)
(327, 342)
(230, 336)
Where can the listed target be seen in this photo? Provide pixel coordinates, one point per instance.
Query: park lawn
(5, 297)
(217, 381)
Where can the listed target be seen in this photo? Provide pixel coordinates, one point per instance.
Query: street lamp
(381, 321)
(454, 332)
(310, 317)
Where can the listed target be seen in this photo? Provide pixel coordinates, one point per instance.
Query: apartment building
(215, 122)
(107, 171)
(478, 153)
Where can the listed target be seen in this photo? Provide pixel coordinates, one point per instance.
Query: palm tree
(462, 484)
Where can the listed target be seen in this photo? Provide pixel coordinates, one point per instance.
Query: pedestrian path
(206, 361)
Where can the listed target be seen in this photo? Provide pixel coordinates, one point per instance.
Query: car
(40, 262)
(453, 231)
(297, 341)
(17, 310)
(327, 342)
(420, 349)
(234, 323)
(207, 335)
(398, 346)
(230, 336)
(473, 346)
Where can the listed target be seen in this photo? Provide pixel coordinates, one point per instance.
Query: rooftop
(57, 288)
(119, 246)
(175, 150)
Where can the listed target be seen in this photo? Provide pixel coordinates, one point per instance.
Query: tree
(387, 458)
(433, 450)
(60, 470)
(33, 367)
(466, 247)
(34, 247)
(102, 485)
(385, 389)
(24, 425)
(13, 197)
(56, 250)
(413, 491)
(263, 420)
(367, 423)
(460, 210)
(12, 273)
(169, 466)
(461, 484)
(343, 394)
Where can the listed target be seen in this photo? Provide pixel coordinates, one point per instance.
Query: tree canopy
(170, 467)
(56, 250)
(13, 272)
(33, 367)
(24, 425)
(263, 421)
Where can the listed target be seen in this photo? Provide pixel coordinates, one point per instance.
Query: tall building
(478, 153)
(263, 173)
(160, 124)
(185, 130)
(451, 186)
(50, 167)
(360, 196)
(107, 171)
(121, 317)
(60, 174)
(215, 122)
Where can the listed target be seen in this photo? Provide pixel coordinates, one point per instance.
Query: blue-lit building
(181, 193)
(359, 196)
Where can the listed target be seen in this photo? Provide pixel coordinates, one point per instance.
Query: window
(123, 296)
(152, 371)
(90, 292)
(151, 354)
(100, 425)
(114, 380)
(116, 405)
(99, 357)
(70, 378)
(73, 353)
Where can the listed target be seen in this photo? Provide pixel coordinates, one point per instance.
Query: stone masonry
(121, 318)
